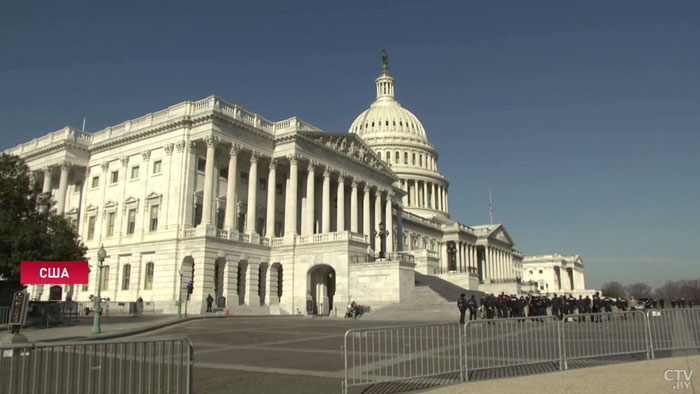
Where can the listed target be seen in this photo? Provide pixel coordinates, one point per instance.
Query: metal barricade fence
(390, 354)
(603, 334)
(674, 329)
(148, 365)
(499, 343)
(4, 314)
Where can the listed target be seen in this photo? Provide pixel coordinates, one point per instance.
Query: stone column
(415, 193)
(231, 183)
(425, 194)
(63, 187)
(353, 208)
(340, 210)
(290, 216)
(271, 192)
(310, 206)
(211, 142)
(326, 202)
(447, 202)
(252, 192)
(459, 255)
(47, 180)
(366, 229)
(377, 218)
(435, 199)
(389, 224)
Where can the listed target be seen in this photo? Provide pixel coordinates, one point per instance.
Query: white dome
(386, 117)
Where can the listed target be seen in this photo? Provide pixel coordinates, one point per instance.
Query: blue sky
(583, 118)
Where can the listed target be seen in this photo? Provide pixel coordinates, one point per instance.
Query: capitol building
(273, 216)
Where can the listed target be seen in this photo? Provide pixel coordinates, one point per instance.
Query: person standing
(462, 306)
(556, 305)
(210, 300)
(471, 304)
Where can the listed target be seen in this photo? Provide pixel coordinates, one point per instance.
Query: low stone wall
(380, 283)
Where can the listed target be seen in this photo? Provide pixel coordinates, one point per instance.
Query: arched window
(126, 276)
(388, 157)
(397, 157)
(405, 158)
(379, 155)
(148, 281)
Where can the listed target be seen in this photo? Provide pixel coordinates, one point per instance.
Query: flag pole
(83, 123)
(490, 206)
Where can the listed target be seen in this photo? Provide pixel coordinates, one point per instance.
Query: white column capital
(168, 148)
(293, 158)
(273, 163)
(211, 141)
(234, 149)
(254, 156)
(124, 160)
(180, 146)
(327, 172)
(146, 155)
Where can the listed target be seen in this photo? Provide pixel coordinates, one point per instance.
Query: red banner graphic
(54, 272)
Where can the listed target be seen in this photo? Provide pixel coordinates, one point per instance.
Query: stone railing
(331, 237)
(189, 232)
(221, 234)
(66, 134)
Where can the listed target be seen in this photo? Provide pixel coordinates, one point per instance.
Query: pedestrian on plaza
(139, 306)
(681, 303)
(662, 302)
(472, 306)
(597, 306)
(673, 302)
(462, 306)
(210, 300)
(556, 305)
(581, 307)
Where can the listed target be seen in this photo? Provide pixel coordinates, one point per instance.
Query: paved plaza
(268, 354)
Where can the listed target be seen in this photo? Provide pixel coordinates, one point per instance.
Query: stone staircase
(431, 299)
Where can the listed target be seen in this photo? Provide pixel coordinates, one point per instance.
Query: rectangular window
(115, 177)
(91, 228)
(131, 221)
(279, 188)
(244, 177)
(396, 157)
(134, 172)
(110, 223)
(95, 182)
(76, 186)
(223, 172)
(105, 278)
(263, 184)
(154, 218)
(148, 282)
(201, 164)
(126, 277)
(156, 166)
(197, 214)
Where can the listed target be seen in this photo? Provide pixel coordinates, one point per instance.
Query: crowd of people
(508, 306)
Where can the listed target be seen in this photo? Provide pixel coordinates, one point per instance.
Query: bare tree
(639, 290)
(613, 289)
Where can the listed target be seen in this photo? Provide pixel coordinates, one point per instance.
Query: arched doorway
(241, 279)
(55, 293)
(321, 286)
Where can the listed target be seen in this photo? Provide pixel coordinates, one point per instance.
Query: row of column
(62, 184)
(499, 264)
(466, 256)
(291, 203)
(424, 194)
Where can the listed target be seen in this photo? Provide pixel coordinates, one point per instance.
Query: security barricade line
(604, 334)
(4, 315)
(148, 365)
(673, 329)
(390, 354)
(511, 342)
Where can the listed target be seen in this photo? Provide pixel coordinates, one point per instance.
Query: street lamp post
(179, 297)
(101, 254)
(382, 234)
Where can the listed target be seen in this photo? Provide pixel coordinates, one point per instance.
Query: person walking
(462, 306)
(210, 300)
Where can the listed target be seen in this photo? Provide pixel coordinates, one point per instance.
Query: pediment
(110, 205)
(349, 145)
(500, 234)
(131, 201)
